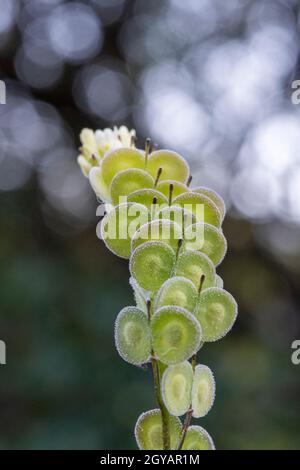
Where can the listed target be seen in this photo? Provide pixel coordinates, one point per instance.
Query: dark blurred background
(210, 79)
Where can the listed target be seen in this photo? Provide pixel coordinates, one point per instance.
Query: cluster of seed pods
(171, 234)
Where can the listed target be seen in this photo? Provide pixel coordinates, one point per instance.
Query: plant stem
(171, 189)
(164, 412)
(187, 422)
(147, 150)
(189, 181)
(160, 403)
(158, 175)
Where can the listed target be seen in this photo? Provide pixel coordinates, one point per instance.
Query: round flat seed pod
(176, 387)
(119, 225)
(178, 215)
(140, 295)
(214, 196)
(127, 181)
(177, 291)
(158, 230)
(151, 264)
(178, 188)
(98, 184)
(201, 206)
(132, 336)
(146, 197)
(176, 334)
(216, 311)
(197, 439)
(119, 160)
(203, 391)
(192, 265)
(219, 282)
(148, 431)
(207, 239)
(174, 166)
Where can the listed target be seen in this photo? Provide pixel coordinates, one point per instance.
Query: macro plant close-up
(171, 233)
(150, 230)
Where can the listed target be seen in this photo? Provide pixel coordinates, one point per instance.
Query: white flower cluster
(96, 144)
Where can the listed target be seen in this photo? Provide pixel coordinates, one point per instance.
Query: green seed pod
(219, 282)
(127, 181)
(176, 334)
(98, 184)
(119, 160)
(178, 188)
(214, 196)
(140, 295)
(192, 265)
(177, 291)
(147, 197)
(216, 312)
(148, 431)
(203, 391)
(207, 239)
(158, 230)
(176, 388)
(177, 214)
(174, 167)
(197, 439)
(132, 336)
(151, 264)
(120, 224)
(201, 206)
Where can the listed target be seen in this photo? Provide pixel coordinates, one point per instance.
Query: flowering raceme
(172, 236)
(96, 144)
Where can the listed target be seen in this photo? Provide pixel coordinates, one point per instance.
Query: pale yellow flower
(89, 156)
(96, 144)
(126, 137)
